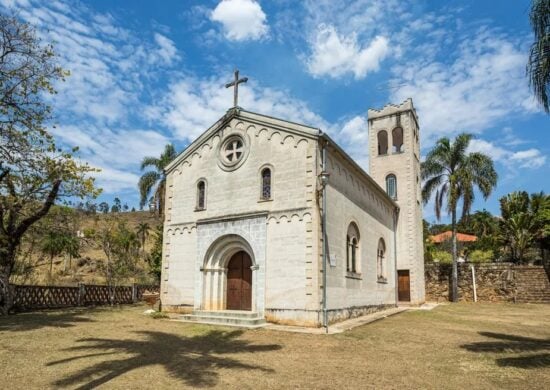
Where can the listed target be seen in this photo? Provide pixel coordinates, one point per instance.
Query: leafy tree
(104, 207)
(540, 207)
(429, 246)
(525, 221)
(482, 223)
(437, 228)
(60, 227)
(538, 65)
(155, 181)
(142, 231)
(155, 258)
(90, 207)
(116, 207)
(451, 174)
(125, 207)
(120, 245)
(485, 226)
(53, 245)
(34, 172)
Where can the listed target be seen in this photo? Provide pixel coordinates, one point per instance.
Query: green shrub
(480, 256)
(158, 315)
(442, 257)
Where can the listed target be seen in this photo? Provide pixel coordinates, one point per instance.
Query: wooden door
(239, 282)
(403, 286)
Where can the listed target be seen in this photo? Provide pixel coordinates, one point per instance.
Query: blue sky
(147, 73)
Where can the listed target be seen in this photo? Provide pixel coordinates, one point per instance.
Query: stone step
(226, 313)
(545, 301)
(221, 318)
(533, 295)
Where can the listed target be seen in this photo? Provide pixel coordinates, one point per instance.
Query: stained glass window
(266, 183)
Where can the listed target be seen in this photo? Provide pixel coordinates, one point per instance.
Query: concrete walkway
(340, 327)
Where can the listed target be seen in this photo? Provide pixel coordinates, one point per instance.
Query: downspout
(324, 235)
(395, 216)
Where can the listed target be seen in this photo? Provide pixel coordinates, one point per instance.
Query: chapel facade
(244, 232)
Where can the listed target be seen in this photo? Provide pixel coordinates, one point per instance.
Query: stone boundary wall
(495, 282)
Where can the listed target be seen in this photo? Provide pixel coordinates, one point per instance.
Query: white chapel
(271, 220)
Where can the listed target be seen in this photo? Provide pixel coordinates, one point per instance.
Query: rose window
(233, 152)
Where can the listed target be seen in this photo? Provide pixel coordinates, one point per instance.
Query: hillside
(34, 265)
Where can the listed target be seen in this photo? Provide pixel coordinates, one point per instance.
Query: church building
(271, 220)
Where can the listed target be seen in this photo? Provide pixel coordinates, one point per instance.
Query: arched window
(391, 186)
(266, 184)
(201, 195)
(397, 139)
(382, 142)
(352, 248)
(381, 260)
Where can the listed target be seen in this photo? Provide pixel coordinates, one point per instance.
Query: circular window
(233, 152)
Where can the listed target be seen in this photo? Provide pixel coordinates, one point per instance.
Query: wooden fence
(28, 297)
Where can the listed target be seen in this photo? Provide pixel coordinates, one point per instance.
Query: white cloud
(96, 108)
(353, 135)
(334, 55)
(108, 64)
(192, 105)
(166, 50)
(241, 19)
(529, 158)
(117, 153)
(471, 91)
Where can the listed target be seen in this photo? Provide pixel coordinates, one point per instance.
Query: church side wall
(350, 198)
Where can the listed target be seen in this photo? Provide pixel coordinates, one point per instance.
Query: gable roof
(250, 117)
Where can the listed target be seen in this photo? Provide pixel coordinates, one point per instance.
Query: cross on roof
(235, 83)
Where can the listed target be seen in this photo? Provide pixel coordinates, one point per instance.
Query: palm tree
(540, 208)
(142, 231)
(483, 223)
(517, 227)
(538, 66)
(452, 173)
(53, 244)
(155, 181)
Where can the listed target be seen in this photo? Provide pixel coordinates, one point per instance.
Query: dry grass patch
(455, 346)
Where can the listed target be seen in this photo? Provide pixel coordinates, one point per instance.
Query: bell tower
(394, 163)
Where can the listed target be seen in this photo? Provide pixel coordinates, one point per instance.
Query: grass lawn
(466, 346)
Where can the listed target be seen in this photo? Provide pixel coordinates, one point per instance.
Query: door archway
(239, 282)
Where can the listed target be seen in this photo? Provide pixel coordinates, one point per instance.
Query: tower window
(201, 195)
(397, 140)
(382, 142)
(266, 184)
(391, 186)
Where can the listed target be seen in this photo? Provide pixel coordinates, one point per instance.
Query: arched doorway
(239, 282)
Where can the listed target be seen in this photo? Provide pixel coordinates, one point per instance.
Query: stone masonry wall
(494, 282)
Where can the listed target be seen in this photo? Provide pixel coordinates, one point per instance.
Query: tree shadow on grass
(193, 360)
(535, 353)
(37, 320)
